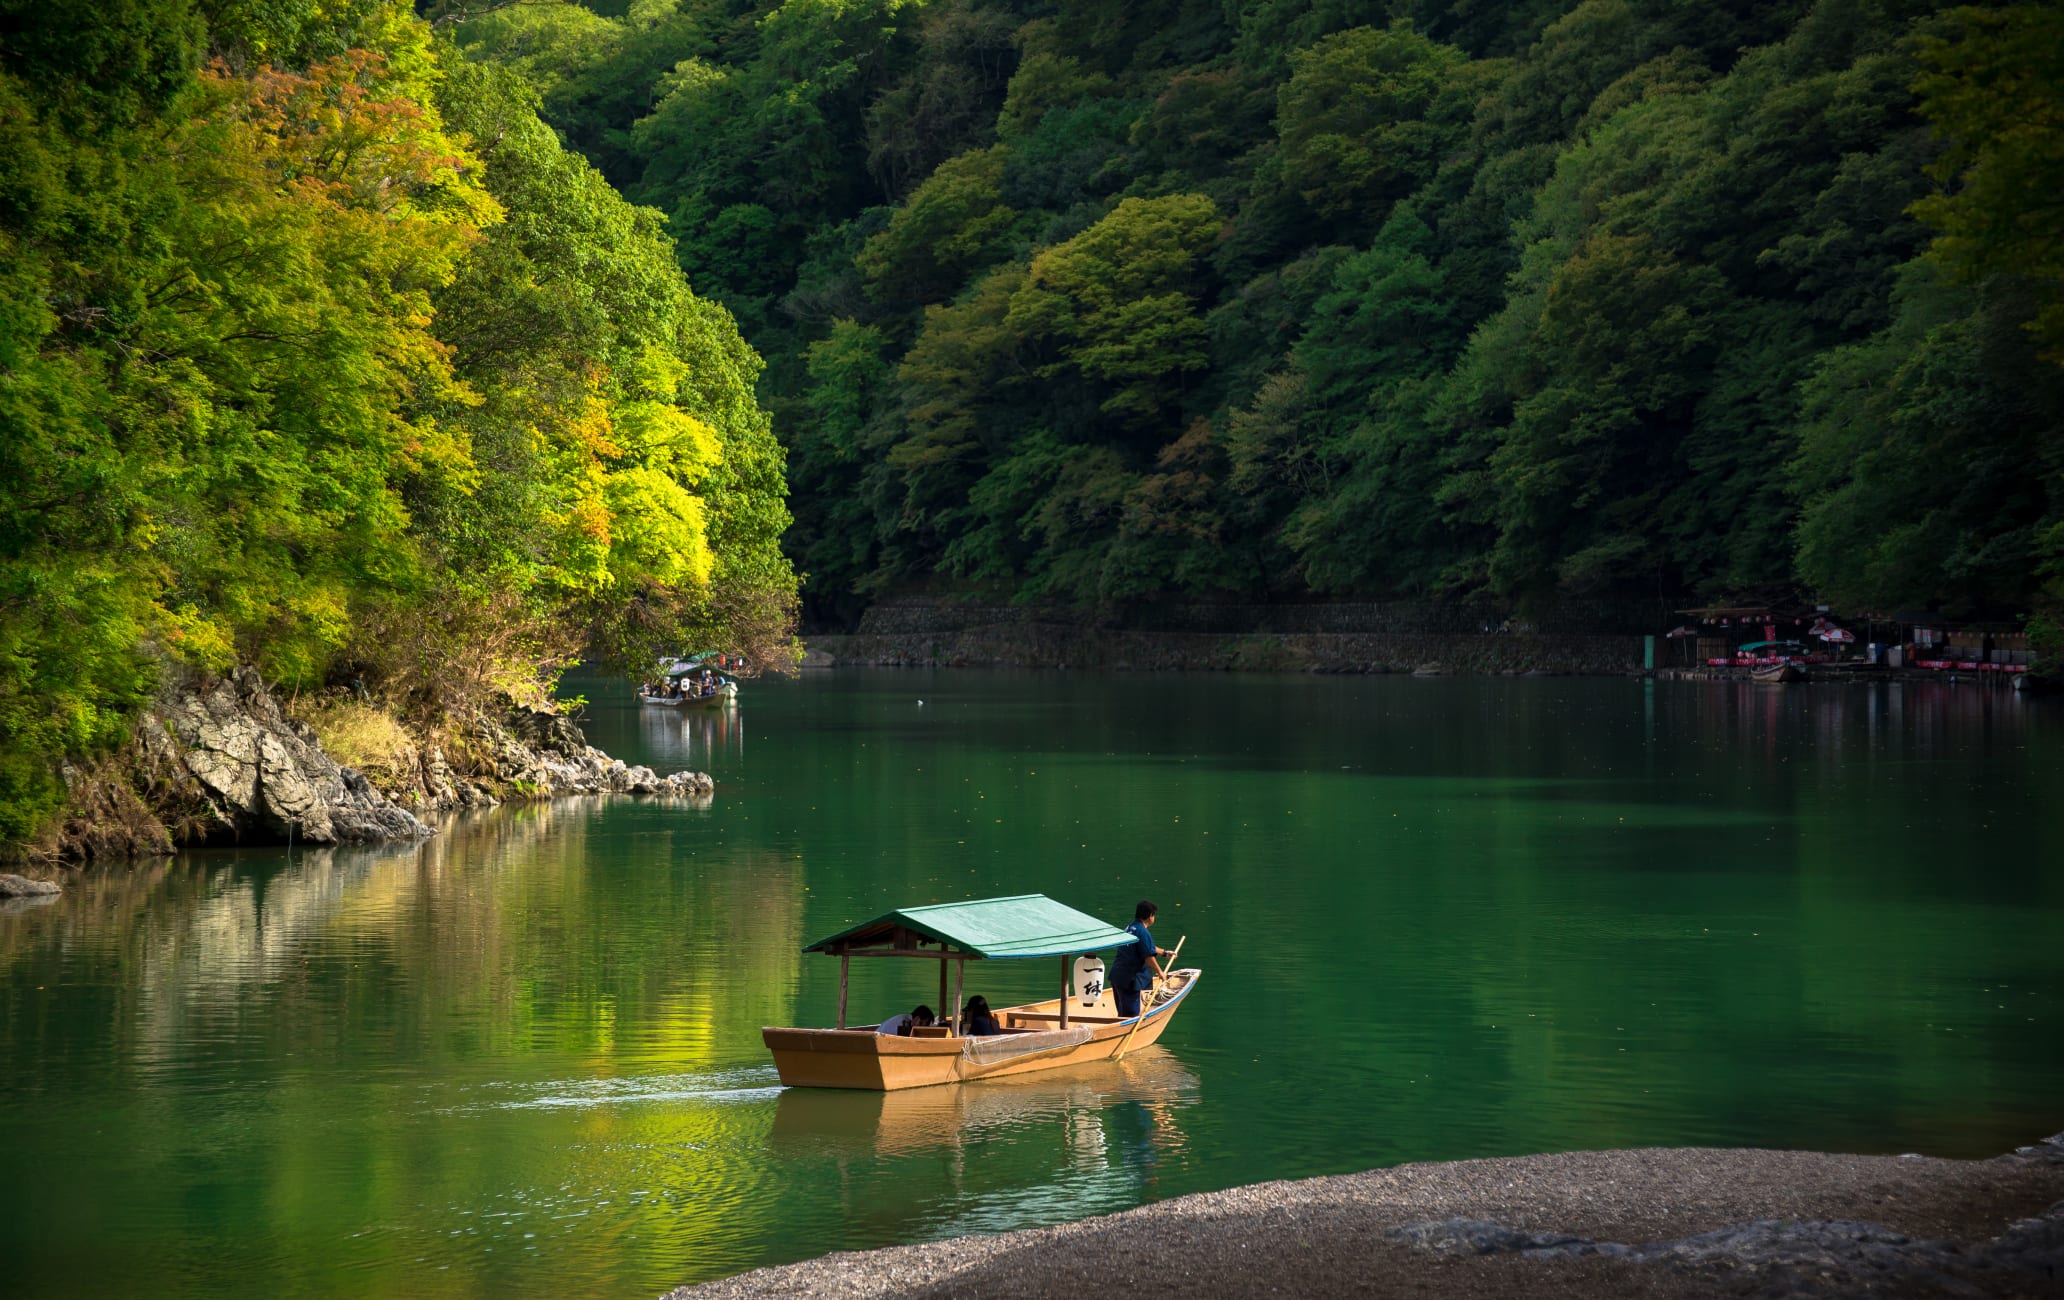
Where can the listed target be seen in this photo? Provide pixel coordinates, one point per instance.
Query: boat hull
(861, 1058)
(716, 701)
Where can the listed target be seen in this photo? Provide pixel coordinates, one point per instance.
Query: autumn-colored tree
(1352, 298)
(341, 359)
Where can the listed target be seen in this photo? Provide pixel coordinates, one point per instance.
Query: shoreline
(1057, 645)
(1680, 1221)
(1406, 636)
(1061, 647)
(220, 760)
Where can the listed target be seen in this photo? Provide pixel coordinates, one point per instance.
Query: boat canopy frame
(1019, 926)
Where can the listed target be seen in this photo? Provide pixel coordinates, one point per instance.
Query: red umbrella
(1841, 634)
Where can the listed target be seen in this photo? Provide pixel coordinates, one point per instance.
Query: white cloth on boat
(1002, 1047)
(894, 1024)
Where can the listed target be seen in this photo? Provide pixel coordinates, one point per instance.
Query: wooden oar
(1140, 1019)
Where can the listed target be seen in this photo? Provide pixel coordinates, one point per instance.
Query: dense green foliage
(317, 350)
(309, 323)
(1106, 302)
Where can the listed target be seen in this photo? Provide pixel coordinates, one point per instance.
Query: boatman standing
(1136, 966)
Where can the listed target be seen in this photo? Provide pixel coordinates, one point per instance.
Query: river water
(1436, 919)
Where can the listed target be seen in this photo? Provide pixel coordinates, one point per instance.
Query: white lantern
(1089, 979)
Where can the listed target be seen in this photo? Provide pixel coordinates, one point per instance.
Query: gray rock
(551, 733)
(2049, 1151)
(289, 797)
(2033, 1246)
(13, 886)
(528, 753)
(264, 777)
(1834, 1257)
(220, 758)
(1485, 1237)
(1825, 1258)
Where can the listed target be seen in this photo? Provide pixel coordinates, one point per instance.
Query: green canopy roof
(1029, 925)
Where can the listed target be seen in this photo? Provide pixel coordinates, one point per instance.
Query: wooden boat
(1775, 674)
(1080, 1026)
(706, 664)
(716, 700)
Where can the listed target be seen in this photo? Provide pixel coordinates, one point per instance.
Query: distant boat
(1074, 1029)
(1777, 674)
(682, 673)
(716, 699)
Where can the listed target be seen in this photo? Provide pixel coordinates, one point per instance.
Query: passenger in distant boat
(903, 1024)
(976, 1020)
(1135, 967)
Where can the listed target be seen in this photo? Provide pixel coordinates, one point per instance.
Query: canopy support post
(959, 987)
(945, 1007)
(845, 961)
(1064, 990)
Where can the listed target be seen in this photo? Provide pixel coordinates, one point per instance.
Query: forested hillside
(1101, 302)
(318, 351)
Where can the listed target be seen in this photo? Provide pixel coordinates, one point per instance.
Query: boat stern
(859, 1058)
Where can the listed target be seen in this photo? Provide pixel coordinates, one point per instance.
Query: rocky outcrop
(1795, 1257)
(1792, 1258)
(13, 886)
(218, 761)
(264, 776)
(527, 754)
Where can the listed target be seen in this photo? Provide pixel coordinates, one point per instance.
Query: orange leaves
(345, 134)
(588, 426)
(591, 519)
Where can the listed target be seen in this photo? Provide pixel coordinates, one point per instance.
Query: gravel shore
(1663, 1222)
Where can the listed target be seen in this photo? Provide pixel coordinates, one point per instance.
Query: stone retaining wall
(1054, 645)
(940, 615)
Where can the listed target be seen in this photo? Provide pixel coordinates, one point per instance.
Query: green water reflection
(1437, 918)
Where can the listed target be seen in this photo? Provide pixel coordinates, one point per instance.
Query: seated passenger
(976, 1020)
(903, 1024)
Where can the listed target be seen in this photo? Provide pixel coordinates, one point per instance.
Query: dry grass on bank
(358, 734)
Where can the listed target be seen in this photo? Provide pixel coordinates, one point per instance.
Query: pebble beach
(1654, 1222)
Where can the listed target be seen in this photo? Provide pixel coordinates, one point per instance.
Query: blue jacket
(1131, 962)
